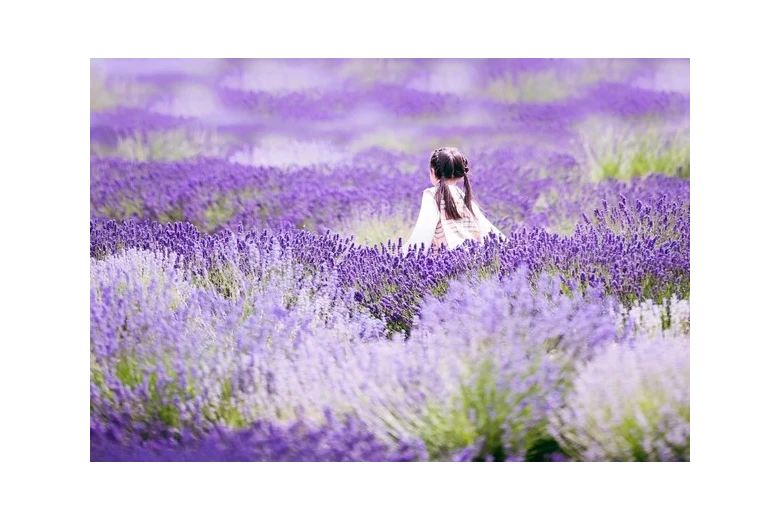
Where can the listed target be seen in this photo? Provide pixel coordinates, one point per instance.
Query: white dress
(433, 229)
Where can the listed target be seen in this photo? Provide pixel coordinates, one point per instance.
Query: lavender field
(250, 299)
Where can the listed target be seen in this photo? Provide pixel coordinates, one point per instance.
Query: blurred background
(541, 136)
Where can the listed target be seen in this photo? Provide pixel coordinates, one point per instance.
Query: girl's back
(448, 215)
(451, 233)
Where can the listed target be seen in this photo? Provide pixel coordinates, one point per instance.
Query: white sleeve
(425, 227)
(485, 226)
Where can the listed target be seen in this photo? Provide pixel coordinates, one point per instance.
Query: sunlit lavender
(250, 299)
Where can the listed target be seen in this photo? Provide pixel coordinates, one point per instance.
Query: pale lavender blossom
(630, 404)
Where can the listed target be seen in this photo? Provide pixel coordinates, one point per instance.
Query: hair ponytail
(468, 192)
(443, 193)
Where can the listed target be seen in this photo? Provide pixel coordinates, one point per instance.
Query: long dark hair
(449, 163)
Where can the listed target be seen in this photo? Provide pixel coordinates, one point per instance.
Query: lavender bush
(630, 404)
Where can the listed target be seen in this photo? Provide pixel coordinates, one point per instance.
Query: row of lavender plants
(215, 194)
(193, 332)
(558, 119)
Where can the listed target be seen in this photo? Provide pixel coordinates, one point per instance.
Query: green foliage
(128, 370)
(125, 209)
(489, 270)
(175, 214)
(159, 408)
(224, 279)
(375, 229)
(542, 449)
(485, 416)
(226, 411)
(393, 325)
(168, 145)
(440, 289)
(653, 290)
(219, 213)
(668, 158)
(619, 152)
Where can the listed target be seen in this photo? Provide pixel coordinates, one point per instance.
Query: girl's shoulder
(430, 191)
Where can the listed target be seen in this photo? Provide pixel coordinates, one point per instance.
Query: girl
(448, 216)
